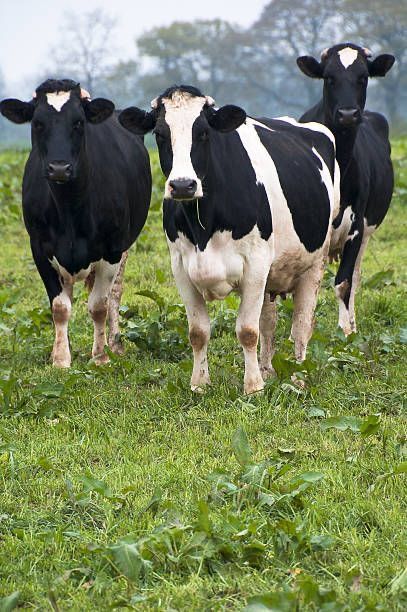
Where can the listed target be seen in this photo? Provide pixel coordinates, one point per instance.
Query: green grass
(312, 514)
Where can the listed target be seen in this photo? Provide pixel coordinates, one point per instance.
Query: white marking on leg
(198, 320)
(105, 274)
(61, 313)
(247, 329)
(180, 113)
(305, 300)
(58, 99)
(347, 56)
(114, 305)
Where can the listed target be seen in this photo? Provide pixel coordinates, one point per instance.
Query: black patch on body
(298, 170)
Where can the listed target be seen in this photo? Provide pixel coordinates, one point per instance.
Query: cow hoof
(198, 389)
(298, 382)
(117, 347)
(101, 359)
(61, 363)
(253, 386)
(267, 372)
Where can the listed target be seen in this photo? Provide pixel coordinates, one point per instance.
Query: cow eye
(362, 80)
(330, 80)
(78, 125)
(203, 136)
(38, 125)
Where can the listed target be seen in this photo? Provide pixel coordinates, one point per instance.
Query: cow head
(345, 69)
(58, 113)
(182, 119)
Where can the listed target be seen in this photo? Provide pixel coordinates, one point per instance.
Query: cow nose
(348, 116)
(60, 171)
(183, 189)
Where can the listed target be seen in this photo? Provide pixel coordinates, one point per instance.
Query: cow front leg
(115, 342)
(61, 313)
(60, 298)
(268, 322)
(347, 277)
(198, 321)
(247, 330)
(305, 301)
(356, 281)
(98, 303)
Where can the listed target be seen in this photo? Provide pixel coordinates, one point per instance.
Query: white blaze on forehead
(347, 56)
(58, 99)
(180, 113)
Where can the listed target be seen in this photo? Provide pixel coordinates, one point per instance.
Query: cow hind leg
(356, 281)
(98, 303)
(115, 342)
(347, 279)
(305, 301)
(268, 321)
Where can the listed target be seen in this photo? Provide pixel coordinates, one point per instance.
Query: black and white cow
(247, 207)
(363, 154)
(86, 194)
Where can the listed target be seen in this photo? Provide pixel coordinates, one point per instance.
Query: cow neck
(345, 142)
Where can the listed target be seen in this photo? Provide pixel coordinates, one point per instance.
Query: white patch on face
(347, 56)
(58, 99)
(180, 113)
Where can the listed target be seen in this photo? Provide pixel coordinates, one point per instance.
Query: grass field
(121, 488)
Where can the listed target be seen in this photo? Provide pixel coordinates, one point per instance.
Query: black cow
(363, 154)
(236, 220)
(86, 194)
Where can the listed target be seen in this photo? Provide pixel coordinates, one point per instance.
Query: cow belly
(66, 276)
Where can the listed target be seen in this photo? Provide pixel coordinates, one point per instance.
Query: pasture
(121, 488)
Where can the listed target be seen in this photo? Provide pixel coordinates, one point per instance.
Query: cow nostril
(59, 169)
(183, 186)
(348, 116)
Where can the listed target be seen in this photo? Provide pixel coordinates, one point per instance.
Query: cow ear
(137, 121)
(97, 110)
(310, 66)
(226, 118)
(380, 65)
(16, 110)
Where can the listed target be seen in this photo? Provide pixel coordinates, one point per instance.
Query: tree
(381, 25)
(85, 48)
(199, 53)
(285, 30)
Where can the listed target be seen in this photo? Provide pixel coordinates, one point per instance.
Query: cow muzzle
(59, 171)
(183, 189)
(348, 117)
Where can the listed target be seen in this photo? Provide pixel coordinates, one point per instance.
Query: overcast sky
(29, 28)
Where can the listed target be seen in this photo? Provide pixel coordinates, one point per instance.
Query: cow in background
(363, 154)
(86, 194)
